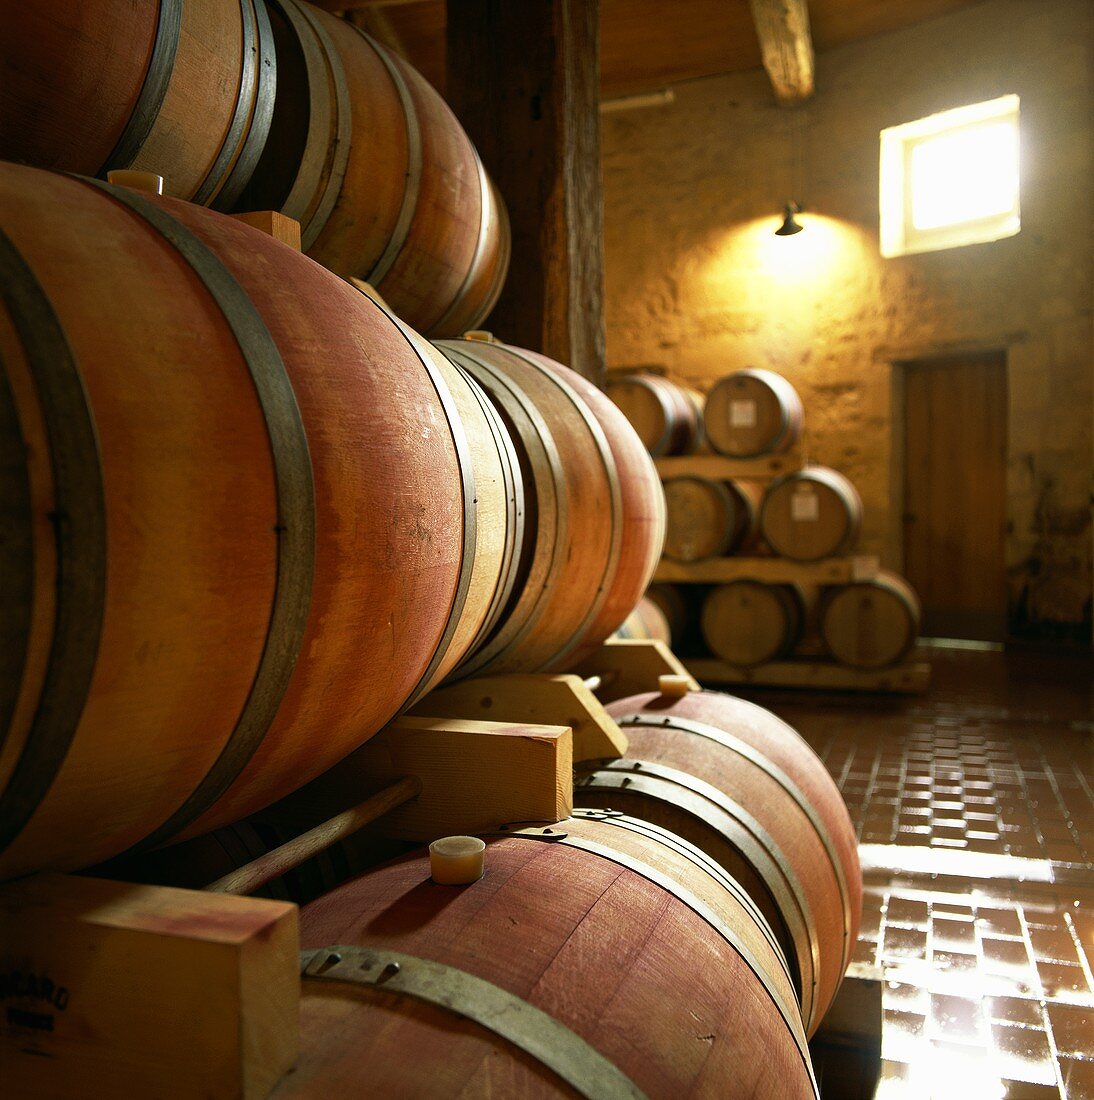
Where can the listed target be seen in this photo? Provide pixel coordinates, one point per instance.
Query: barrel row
(720, 818)
(807, 515)
(723, 774)
(266, 104)
(747, 414)
(245, 504)
(871, 623)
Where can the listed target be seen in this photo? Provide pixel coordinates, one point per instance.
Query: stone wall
(698, 285)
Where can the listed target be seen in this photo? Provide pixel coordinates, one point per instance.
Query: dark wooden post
(523, 78)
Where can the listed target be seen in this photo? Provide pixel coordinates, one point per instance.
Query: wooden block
(722, 468)
(283, 229)
(534, 697)
(630, 666)
(771, 570)
(127, 990)
(475, 776)
(846, 1049)
(913, 677)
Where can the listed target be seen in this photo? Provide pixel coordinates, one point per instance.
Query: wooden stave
(777, 526)
(642, 518)
(180, 54)
(788, 599)
(647, 620)
(252, 262)
(427, 226)
(520, 889)
(728, 524)
(788, 752)
(682, 430)
(770, 385)
(552, 615)
(889, 586)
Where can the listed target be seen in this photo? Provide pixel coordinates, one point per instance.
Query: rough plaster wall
(686, 291)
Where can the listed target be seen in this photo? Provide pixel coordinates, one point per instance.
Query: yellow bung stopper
(480, 334)
(139, 181)
(456, 860)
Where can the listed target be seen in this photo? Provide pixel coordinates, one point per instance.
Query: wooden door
(955, 433)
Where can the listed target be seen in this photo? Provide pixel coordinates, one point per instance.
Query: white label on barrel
(805, 506)
(742, 414)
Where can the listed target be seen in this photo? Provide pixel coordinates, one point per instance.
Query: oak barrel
(647, 620)
(386, 185)
(751, 413)
(667, 417)
(594, 510)
(747, 622)
(185, 90)
(811, 514)
(241, 506)
(870, 623)
(743, 786)
(710, 518)
(559, 973)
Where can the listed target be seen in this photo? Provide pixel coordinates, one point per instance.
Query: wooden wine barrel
(386, 185)
(748, 622)
(753, 412)
(185, 90)
(594, 510)
(709, 518)
(811, 514)
(671, 600)
(562, 972)
(241, 514)
(740, 784)
(870, 623)
(667, 417)
(647, 620)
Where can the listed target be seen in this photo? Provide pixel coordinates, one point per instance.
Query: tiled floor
(975, 812)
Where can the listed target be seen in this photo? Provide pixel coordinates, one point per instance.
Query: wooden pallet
(722, 468)
(912, 677)
(772, 570)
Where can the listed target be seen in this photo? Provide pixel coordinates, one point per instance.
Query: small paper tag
(742, 414)
(805, 506)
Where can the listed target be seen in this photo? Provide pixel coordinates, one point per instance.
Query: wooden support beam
(123, 990)
(475, 776)
(631, 666)
(534, 697)
(523, 79)
(283, 229)
(787, 47)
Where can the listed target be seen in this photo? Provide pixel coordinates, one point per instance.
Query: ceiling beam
(787, 47)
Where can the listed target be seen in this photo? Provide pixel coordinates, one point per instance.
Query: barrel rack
(807, 667)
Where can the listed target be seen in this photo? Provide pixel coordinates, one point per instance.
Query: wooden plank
(283, 229)
(787, 47)
(144, 990)
(523, 80)
(771, 570)
(538, 698)
(475, 776)
(911, 678)
(730, 469)
(630, 666)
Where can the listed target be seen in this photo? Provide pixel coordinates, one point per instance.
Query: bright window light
(950, 179)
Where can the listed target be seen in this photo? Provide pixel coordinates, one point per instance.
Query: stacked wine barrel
(266, 105)
(800, 513)
(250, 514)
(246, 504)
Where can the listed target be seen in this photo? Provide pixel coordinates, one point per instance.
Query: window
(950, 179)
